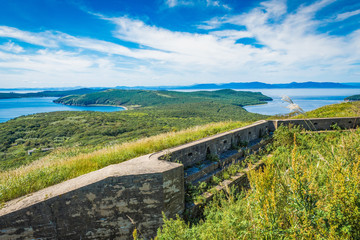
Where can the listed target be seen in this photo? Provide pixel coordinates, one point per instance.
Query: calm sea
(307, 98)
(15, 107)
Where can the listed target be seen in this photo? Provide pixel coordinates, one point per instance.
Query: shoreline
(98, 105)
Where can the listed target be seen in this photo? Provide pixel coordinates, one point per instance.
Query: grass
(310, 189)
(346, 109)
(64, 164)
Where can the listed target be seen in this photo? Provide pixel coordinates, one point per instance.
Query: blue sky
(106, 43)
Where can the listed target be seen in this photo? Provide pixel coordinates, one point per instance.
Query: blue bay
(15, 107)
(307, 98)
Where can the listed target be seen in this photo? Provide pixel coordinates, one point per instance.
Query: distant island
(146, 98)
(249, 85)
(48, 93)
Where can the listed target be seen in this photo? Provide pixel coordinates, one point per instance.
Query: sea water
(307, 98)
(15, 107)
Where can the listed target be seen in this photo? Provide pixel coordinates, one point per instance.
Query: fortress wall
(197, 151)
(320, 124)
(111, 202)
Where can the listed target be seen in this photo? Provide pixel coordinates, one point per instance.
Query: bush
(309, 189)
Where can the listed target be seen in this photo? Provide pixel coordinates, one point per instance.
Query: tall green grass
(309, 189)
(65, 164)
(346, 109)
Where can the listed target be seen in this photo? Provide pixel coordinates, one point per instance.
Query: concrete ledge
(316, 124)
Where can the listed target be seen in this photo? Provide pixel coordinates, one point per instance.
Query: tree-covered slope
(151, 98)
(353, 98)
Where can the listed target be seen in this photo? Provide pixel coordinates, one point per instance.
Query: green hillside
(153, 98)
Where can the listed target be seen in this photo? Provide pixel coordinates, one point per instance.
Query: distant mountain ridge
(231, 85)
(248, 85)
(48, 93)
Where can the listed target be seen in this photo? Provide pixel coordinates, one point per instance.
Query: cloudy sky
(105, 43)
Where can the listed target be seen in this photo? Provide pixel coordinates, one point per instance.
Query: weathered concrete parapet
(197, 151)
(111, 202)
(105, 204)
(319, 124)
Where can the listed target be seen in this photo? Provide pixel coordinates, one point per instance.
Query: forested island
(146, 98)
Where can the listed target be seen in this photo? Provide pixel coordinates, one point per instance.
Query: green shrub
(309, 189)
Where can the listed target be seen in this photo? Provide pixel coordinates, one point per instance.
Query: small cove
(16, 107)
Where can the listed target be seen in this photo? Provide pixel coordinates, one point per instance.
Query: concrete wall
(105, 204)
(192, 153)
(111, 202)
(320, 124)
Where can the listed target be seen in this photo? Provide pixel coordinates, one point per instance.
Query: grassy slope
(310, 189)
(347, 109)
(68, 163)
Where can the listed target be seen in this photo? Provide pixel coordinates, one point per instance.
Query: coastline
(16, 107)
(99, 105)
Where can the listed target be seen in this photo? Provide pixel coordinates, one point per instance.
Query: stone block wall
(111, 202)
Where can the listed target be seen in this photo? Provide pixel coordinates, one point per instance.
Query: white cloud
(56, 39)
(175, 3)
(197, 51)
(232, 34)
(346, 15)
(208, 3)
(215, 3)
(42, 39)
(211, 24)
(11, 47)
(293, 39)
